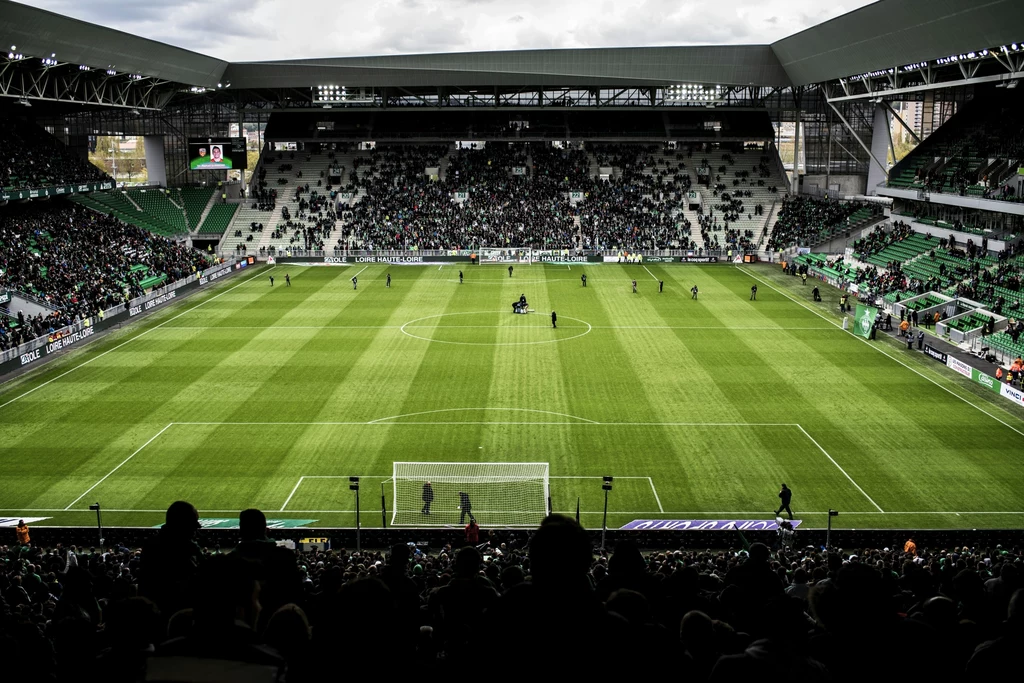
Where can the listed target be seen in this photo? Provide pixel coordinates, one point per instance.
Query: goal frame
(395, 478)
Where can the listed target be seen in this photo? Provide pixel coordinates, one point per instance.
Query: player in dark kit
(753, 293)
(583, 279)
(389, 280)
(428, 497)
(554, 319)
(661, 286)
(355, 282)
(271, 280)
(287, 280)
(466, 507)
(816, 294)
(460, 277)
(634, 286)
(785, 495)
(510, 271)
(693, 292)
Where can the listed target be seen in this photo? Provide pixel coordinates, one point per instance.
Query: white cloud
(273, 29)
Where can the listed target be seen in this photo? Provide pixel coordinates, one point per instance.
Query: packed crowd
(518, 196)
(177, 612)
(78, 263)
(804, 220)
(29, 158)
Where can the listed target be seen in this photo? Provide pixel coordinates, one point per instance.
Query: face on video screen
(216, 155)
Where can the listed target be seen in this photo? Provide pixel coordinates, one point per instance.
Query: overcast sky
(257, 30)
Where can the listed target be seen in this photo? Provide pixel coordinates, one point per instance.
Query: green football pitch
(256, 396)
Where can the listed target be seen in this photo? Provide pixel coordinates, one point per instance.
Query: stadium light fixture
(24, 102)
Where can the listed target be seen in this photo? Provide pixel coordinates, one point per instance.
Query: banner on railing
(37, 349)
(14, 195)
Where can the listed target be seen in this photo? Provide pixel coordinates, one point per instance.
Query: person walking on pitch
(271, 280)
(785, 495)
(816, 294)
(554, 319)
(693, 292)
(753, 293)
(287, 280)
(355, 282)
(428, 497)
(634, 286)
(583, 279)
(510, 271)
(388, 285)
(460, 277)
(466, 507)
(661, 286)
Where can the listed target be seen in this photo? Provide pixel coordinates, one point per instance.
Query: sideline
(879, 350)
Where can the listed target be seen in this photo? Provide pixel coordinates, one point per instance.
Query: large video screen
(212, 154)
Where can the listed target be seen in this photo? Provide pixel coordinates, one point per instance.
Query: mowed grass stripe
(902, 440)
(309, 375)
(140, 398)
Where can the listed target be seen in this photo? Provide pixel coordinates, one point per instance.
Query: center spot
(494, 328)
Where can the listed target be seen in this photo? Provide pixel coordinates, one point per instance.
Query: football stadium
(395, 358)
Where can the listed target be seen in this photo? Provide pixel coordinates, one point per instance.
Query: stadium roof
(889, 33)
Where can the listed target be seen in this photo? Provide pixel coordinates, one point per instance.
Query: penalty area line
(139, 450)
(652, 274)
(832, 460)
(289, 498)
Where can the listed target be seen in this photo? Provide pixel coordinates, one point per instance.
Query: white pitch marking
(656, 498)
(364, 268)
(153, 438)
(879, 349)
(840, 468)
(586, 422)
(651, 274)
(597, 512)
(460, 410)
(138, 336)
(289, 498)
(502, 327)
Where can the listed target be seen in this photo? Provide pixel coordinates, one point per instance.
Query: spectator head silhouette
(759, 552)
(560, 551)
(467, 562)
(252, 524)
(182, 518)
(626, 562)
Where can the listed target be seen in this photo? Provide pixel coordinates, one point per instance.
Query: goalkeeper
(466, 507)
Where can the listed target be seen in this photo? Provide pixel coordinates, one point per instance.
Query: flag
(864, 320)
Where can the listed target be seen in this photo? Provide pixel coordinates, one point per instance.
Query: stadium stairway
(196, 202)
(217, 220)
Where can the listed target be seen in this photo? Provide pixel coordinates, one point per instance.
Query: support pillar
(795, 180)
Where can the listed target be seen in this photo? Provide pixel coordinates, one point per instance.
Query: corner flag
(864, 320)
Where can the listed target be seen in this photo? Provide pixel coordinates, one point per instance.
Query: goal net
(501, 494)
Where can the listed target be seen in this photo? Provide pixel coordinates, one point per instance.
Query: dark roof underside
(893, 33)
(40, 33)
(641, 66)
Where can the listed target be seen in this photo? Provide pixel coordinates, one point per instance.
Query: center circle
(413, 324)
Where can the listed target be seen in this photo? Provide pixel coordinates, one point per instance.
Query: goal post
(501, 494)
